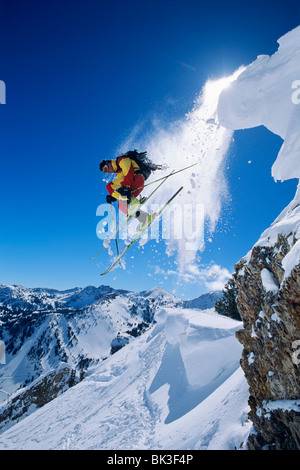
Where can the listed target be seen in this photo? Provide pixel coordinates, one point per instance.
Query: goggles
(104, 166)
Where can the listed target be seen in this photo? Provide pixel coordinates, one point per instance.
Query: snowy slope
(178, 386)
(81, 326)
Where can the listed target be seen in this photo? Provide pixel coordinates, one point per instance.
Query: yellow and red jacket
(126, 170)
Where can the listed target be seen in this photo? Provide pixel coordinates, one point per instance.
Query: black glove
(110, 199)
(125, 193)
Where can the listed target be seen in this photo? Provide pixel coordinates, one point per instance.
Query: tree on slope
(227, 304)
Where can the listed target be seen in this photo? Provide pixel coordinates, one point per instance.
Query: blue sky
(80, 75)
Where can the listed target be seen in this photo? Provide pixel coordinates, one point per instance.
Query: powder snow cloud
(196, 138)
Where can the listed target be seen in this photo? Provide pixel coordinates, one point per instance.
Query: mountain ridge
(81, 326)
(52, 335)
(177, 386)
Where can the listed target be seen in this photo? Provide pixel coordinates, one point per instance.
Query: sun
(213, 88)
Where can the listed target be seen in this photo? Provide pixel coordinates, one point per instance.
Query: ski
(140, 233)
(129, 217)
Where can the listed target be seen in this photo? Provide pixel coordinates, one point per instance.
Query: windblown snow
(267, 93)
(196, 139)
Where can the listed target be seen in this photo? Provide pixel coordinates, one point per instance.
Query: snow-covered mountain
(177, 386)
(51, 334)
(81, 326)
(30, 299)
(204, 301)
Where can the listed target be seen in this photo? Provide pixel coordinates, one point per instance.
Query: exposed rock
(40, 392)
(269, 304)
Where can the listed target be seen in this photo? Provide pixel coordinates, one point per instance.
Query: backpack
(145, 164)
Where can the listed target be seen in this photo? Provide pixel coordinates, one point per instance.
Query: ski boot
(144, 219)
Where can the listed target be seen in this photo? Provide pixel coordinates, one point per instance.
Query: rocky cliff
(268, 278)
(269, 304)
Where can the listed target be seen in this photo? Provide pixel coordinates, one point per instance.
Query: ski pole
(114, 228)
(163, 177)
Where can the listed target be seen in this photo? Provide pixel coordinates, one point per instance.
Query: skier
(131, 172)
(132, 169)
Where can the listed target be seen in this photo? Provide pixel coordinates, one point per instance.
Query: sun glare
(213, 88)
